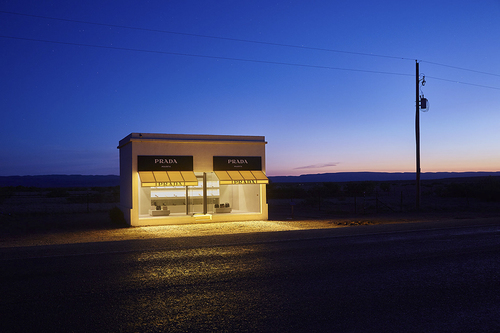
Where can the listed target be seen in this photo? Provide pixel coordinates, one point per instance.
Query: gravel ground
(70, 235)
(148, 232)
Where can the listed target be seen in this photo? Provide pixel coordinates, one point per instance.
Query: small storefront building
(178, 178)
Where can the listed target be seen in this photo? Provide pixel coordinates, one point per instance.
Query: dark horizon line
(305, 174)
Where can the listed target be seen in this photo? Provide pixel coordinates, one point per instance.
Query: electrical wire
(207, 56)
(460, 68)
(208, 36)
(460, 82)
(245, 41)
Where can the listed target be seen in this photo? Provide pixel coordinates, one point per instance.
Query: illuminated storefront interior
(172, 179)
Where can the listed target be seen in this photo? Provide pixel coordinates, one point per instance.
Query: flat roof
(140, 137)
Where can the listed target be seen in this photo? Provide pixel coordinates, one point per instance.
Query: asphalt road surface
(430, 278)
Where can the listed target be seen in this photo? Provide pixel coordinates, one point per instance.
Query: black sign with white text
(226, 163)
(164, 163)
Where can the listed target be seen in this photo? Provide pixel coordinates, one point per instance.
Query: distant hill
(45, 181)
(375, 176)
(60, 181)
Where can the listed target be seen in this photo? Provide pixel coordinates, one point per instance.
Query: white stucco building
(177, 178)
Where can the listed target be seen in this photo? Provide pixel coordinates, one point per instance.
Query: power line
(248, 41)
(207, 56)
(209, 36)
(242, 60)
(460, 82)
(460, 68)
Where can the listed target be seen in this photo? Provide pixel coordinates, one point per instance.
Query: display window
(169, 187)
(208, 196)
(239, 181)
(238, 199)
(164, 181)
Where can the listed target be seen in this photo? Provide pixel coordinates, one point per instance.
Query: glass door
(213, 192)
(195, 196)
(203, 198)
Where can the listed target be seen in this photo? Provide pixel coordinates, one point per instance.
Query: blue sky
(330, 84)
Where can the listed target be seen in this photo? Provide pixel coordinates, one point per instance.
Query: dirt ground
(69, 228)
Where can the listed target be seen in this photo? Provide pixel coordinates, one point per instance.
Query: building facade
(178, 179)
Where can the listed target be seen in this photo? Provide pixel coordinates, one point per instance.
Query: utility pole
(417, 131)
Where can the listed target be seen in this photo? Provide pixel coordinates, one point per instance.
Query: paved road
(425, 278)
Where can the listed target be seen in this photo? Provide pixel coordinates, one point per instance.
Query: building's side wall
(135, 185)
(126, 203)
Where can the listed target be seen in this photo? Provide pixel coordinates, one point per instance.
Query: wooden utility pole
(417, 131)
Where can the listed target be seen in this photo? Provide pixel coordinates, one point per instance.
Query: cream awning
(168, 178)
(241, 177)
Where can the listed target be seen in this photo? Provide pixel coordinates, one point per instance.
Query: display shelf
(159, 212)
(223, 210)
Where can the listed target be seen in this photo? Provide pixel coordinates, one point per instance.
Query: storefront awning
(168, 178)
(241, 177)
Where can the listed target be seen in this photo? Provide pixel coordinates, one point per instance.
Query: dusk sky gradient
(330, 84)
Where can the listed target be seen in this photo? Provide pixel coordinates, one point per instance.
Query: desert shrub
(94, 197)
(58, 193)
(386, 187)
(5, 193)
(285, 191)
(331, 189)
(117, 218)
(458, 190)
(315, 194)
(320, 192)
(484, 190)
(356, 189)
(324, 190)
(489, 190)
